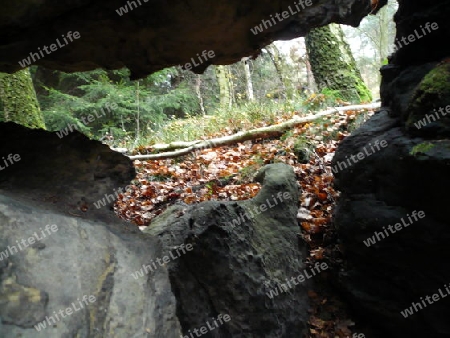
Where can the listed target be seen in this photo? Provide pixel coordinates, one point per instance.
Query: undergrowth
(244, 117)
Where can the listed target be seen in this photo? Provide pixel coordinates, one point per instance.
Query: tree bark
(19, 100)
(225, 86)
(248, 80)
(333, 64)
(198, 92)
(274, 54)
(309, 73)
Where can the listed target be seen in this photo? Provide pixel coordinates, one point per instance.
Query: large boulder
(396, 276)
(66, 266)
(243, 253)
(395, 256)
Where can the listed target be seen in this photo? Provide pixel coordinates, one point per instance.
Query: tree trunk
(197, 86)
(225, 86)
(138, 115)
(275, 57)
(19, 100)
(309, 73)
(333, 64)
(248, 80)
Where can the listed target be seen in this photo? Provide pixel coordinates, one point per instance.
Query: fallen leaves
(226, 173)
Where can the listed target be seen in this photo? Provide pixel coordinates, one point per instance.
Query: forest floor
(225, 173)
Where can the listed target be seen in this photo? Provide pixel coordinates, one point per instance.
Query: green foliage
(331, 95)
(210, 187)
(174, 102)
(148, 102)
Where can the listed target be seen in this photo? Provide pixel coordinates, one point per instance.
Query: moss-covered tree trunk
(19, 101)
(333, 64)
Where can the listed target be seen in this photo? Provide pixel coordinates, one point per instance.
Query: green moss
(432, 93)
(333, 64)
(437, 81)
(421, 148)
(19, 100)
(363, 92)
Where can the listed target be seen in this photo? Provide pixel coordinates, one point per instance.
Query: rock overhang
(147, 36)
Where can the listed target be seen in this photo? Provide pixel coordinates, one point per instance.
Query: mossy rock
(421, 148)
(431, 150)
(427, 113)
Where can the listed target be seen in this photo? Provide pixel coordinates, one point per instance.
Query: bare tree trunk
(197, 85)
(248, 80)
(309, 74)
(138, 126)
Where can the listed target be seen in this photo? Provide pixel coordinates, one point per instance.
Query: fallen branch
(264, 132)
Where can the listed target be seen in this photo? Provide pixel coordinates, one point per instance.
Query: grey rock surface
(56, 246)
(239, 254)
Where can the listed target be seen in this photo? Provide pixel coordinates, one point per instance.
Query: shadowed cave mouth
(194, 128)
